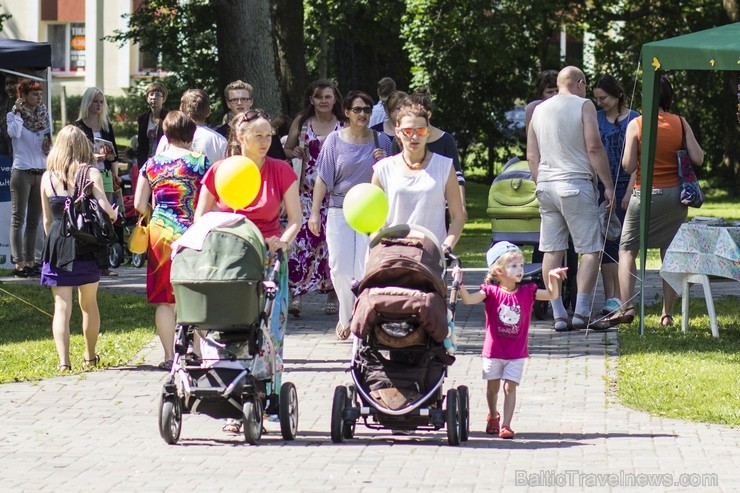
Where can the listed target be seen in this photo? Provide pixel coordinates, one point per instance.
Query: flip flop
(342, 331)
(233, 426)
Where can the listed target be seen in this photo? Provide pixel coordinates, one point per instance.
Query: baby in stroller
(399, 360)
(229, 291)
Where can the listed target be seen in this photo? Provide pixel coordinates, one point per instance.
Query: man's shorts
(569, 207)
(503, 369)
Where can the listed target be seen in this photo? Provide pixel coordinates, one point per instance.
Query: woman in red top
(667, 213)
(278, 190)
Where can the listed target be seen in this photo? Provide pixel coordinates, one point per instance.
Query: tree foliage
(478, 58)
(184, 36)
(356, 42)
(704, 98)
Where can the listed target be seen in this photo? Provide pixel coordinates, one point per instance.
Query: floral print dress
(308, 265)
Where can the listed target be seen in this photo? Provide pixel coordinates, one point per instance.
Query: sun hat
(498, 249)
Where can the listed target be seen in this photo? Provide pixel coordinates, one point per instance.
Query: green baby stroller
(225, 293)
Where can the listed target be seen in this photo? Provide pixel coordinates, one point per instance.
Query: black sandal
(93, 362)
(668, 319)
(64, 368)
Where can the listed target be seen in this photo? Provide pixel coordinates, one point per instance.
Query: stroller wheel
(170, 419)
(540, 309)
(252, 410)
(115, 255)
(288, 411)
(464, 395)
(337, 412)
(453, 417)
(138, 260)
(349, 430)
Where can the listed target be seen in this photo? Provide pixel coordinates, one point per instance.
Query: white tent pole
(48, 100)
(24, 75)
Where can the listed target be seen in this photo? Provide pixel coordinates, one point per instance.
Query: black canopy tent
(31, 61)
(712, 49)
(15, 53)
(18, 57)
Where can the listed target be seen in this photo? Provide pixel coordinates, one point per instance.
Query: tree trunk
(246, 50)
(288, 21)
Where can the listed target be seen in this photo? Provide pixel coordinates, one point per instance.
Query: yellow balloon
(237, 181)
(365, 208)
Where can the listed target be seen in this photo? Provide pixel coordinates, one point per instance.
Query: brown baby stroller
(399, 356)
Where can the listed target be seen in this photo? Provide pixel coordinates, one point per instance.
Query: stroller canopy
(230, 253)
(406, 256)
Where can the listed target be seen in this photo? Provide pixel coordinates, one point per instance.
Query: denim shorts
(569, 207)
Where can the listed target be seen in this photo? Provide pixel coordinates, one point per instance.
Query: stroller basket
(220, 286)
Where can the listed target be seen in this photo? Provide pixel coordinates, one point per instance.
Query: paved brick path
(98, 431)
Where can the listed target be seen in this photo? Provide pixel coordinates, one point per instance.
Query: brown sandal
(568, 325)
(624, 316)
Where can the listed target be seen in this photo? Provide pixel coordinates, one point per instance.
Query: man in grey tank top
(565, 155)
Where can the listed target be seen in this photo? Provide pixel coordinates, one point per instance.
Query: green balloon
(365, 208)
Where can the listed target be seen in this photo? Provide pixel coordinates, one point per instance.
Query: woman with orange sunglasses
(419, 182)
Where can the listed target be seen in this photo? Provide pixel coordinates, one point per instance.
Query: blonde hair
(87, 98)
(499, 264)
(71, 149)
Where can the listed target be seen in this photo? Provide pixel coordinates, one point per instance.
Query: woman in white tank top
(418, 182)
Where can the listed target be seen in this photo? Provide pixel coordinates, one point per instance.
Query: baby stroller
(399, 361)
(515, 217)
(225, 294)
(119, 253)
(127, 218)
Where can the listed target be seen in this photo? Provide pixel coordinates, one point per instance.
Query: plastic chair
(704, 281)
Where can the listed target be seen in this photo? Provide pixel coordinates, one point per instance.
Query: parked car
(514, 126)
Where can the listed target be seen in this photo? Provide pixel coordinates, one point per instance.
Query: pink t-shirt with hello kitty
(507, 321)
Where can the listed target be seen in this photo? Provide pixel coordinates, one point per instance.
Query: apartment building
(75, 28)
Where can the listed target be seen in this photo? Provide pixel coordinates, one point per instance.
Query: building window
(148, 62)
(67, 47)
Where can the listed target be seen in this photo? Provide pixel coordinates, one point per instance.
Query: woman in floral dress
(309, 260)
(173, 178)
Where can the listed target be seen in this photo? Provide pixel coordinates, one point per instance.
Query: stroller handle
(453, 261)
(270, 285)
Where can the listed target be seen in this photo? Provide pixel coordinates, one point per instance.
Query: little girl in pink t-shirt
(508, 307)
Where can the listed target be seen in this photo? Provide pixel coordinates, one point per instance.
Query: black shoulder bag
(84, 219)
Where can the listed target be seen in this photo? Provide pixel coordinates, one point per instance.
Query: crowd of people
(581, 155)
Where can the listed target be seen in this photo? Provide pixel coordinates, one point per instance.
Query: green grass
(691, 376)
(27, 349)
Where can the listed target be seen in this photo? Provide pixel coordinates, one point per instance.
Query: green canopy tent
(713, 49)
